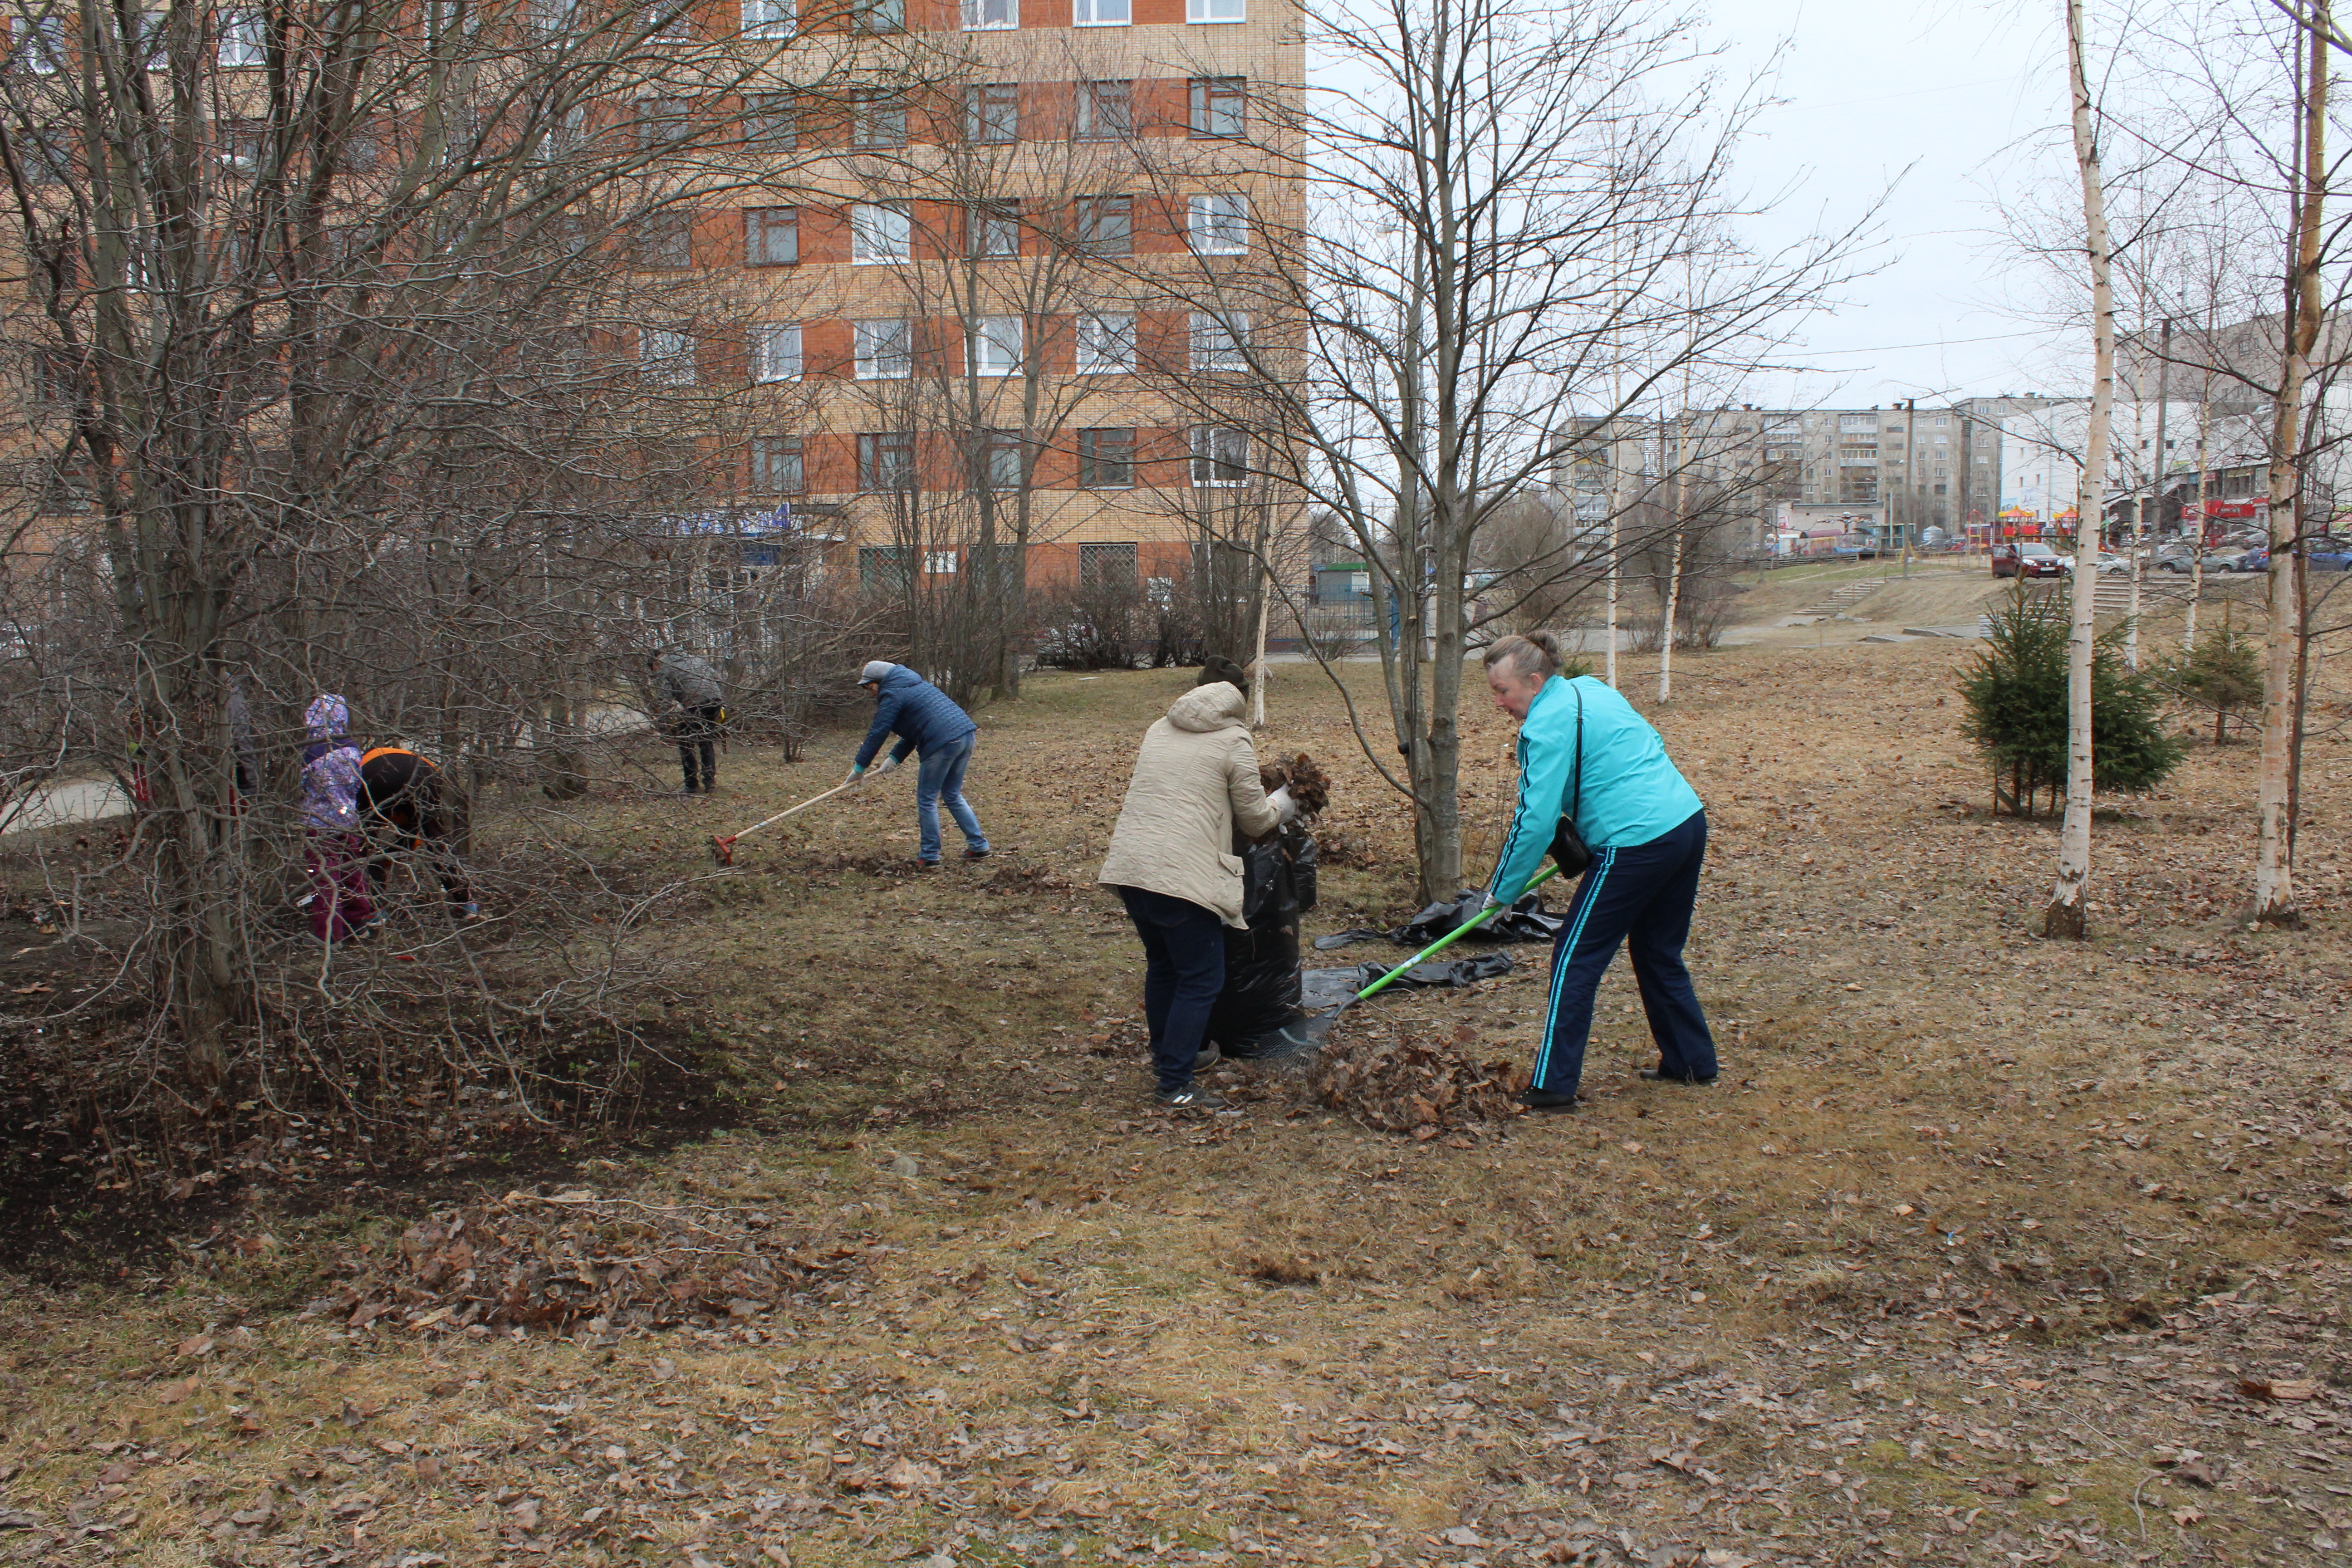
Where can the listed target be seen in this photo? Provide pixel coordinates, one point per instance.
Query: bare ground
(1985, 1250)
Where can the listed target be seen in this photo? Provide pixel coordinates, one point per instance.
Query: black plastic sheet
(1525, 920)
(1329, 987)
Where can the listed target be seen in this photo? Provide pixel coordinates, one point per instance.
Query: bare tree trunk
(1666, 639)
(2273, 859)
(2065, 917)
(2139, 514)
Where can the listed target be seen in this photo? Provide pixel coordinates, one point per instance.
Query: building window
(1106, 459)
(887, 462)
(1218, 224)
(880, 232)
(1105, 110)
(1214, 11)
(996, 346)
(991, 113)
(993, 228)
(667, 22)
(1220, 454)
(1217, 105)
(1106, 226)
(1099, 13)
(243, 41)
(1001, 462)
(664, 357)
(939, 562)
(991, 14)
(771, 237)
(44, 44)
(768, 18)
(1107, 565)
(883, 568)
(885, 349)
(776, 466)
(665, 239)
(878, 15)
(775, 350)
(1106, 345)
(770, 125)
(878, 118)
(663, 122)
(1219, 343)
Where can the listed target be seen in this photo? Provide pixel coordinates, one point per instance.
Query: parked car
(2327, 554)
(2029, 560)
(2213, 561)
(2257, 560)
(2113, 566)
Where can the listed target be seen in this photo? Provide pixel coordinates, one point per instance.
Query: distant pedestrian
(340, 907)
(407, 804)
(928, 722)
(1171, 864)
(691, 686)
(1584, 752)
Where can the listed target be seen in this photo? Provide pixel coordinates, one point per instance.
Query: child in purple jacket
(336, 856)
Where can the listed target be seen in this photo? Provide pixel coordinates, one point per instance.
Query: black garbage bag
(1525, 920)
(1261, 992)
(1329, 987)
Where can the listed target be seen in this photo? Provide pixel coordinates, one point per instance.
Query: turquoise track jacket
(1631, 791)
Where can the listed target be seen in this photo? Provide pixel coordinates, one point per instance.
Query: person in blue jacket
(1647, 830)
(926, 721)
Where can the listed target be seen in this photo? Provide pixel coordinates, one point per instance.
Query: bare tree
(2065, 915)
(1497, 217)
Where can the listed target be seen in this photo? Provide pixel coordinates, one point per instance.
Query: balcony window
(1217, 105)
(775, 350)
(990, 15)
(991, 113)
(777, 469)
(1214, 11)
(885, 462)
(879, 232)
(768, 18)
(885, 349)
(993, 228)
(769, 123)
(877, 120)
(1218, 224)
(243, 39)
(1106, 344)
(1105, 110)
(1100, 12)
(666, 357)
(1220, 456)
(996, 346)
(1106, 226)
(1219, 343)
(771, 237)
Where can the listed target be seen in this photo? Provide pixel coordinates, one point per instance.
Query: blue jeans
(1641, 895)
(1183, 971)
(941, 777)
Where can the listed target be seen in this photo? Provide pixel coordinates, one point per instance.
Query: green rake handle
(1442, 943)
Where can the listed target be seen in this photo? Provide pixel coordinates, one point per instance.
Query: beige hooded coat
(1195, 777)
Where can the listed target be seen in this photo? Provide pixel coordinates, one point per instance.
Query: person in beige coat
(1171, 864)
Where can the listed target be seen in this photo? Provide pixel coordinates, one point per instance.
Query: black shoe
(1660, 1075)
(1189, 1097)
(978, 853)
(689, 790)
(1544, 1100)
(923, 864)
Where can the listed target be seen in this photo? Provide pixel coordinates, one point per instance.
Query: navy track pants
(1642, 896)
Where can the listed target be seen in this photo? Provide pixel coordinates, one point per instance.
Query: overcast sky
(1957, 105)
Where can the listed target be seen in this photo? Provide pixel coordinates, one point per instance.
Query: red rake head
(722, 850)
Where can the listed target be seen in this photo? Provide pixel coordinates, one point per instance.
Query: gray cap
(875, 672)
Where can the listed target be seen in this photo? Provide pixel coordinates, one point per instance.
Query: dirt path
(1983, 1251)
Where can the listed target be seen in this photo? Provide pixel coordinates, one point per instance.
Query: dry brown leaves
(1308, 783)
(618, 1264)
(1397, 1078)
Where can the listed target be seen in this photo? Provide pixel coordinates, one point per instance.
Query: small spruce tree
(2223, 673)
(2016, 697)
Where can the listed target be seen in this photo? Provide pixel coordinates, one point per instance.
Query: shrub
(2016, 696)
(2222, 673)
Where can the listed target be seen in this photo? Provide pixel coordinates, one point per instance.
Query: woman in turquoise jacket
(1647, 830)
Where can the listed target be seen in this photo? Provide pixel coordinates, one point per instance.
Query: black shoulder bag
(1568, 850)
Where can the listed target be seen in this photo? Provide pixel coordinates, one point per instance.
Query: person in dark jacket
(408, 803)
(691, 685)
(929, 723)
(1583, 749)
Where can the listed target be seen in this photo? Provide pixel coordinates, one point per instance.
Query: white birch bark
(2068, 900)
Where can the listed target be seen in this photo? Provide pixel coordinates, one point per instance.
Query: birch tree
(2065, 915)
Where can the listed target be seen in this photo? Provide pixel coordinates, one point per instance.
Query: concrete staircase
(1845, 596)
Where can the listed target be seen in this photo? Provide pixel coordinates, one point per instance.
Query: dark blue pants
(1183, 970)
(1641, 895)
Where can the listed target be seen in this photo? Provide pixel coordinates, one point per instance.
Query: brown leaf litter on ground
(1396, 1078)
(616, 1264)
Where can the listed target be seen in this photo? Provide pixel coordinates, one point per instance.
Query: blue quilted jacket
(920, 714)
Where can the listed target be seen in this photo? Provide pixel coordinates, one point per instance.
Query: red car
(2029, 560)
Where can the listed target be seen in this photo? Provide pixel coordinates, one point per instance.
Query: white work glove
(857, 775)
(1286, 810)
(885, 764)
